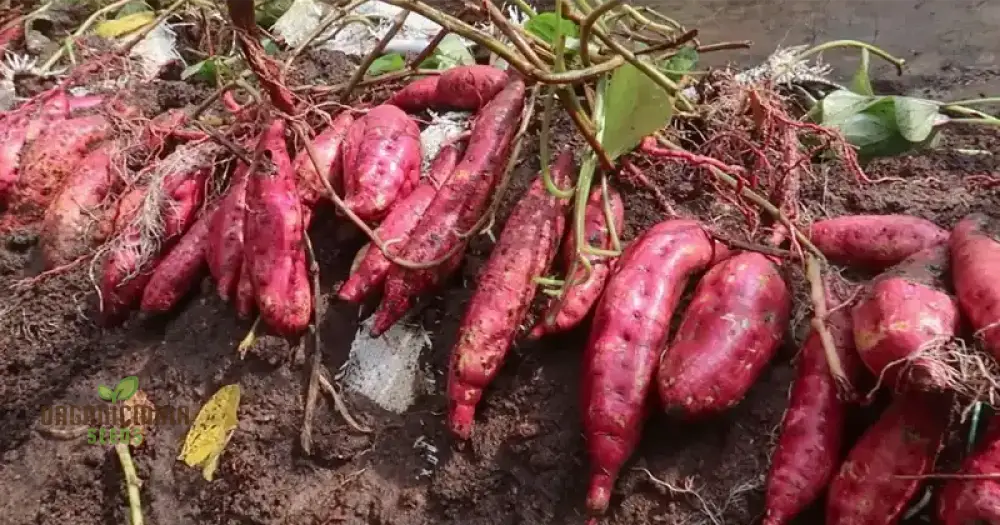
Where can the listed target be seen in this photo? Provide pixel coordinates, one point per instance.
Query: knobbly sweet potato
(179, 270)
(974, 501)
(504, 290)
(630, 328)
(225, 233)
(71, 226)
(326, 146)
(582, 293)
(812, 431)
(903, 317)
(373, 266)
(874, 241)
(975, 263)
(273, 240)
(469, 87)
(381, 161)
(729, 333)
(418, 95)
(905, 441)
(456, 207)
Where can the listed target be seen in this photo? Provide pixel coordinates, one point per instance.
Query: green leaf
(386, 64)
(681, 63)
(270, 47)
(267, 12)
(635, 107)
(204, 71)
(841, 105)
(137, 6)
(105, 393)
(549, 25)
(915, 117)
(126, 388)
(124, 25)
(449, 53)
(861, 83)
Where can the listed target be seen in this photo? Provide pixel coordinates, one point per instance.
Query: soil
(525, 462)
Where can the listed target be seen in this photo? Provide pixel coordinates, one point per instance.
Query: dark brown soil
(525, 463)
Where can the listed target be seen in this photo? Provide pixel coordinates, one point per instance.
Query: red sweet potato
(456, 207)
(902, 315)
(11, 31)
(729, 333)
(225, 233)
(975, 262)
(812, 431)
(246, 298)
(326, 146)
(469, 87)
(504, 290)
(381, 161)
(273, 243)
(905, 441)
(417, 96)
(974, 501)
(874, 241)
(402, 219)
(179, 270)
(71, 226)
(630, 328)
(563, 315)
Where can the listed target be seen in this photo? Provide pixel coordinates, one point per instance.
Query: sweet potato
(381, 161)
(273, 241)
(974, 501)
(504, 290)
(71, 226)
(630, 328)
(469, 87)
(326, 146)
(975, 261)
(729, 333)
(373, 266)
(902, 317)
(456, 207)
(562, 315)
(905, 441)
(246, 298)
(225, 233)
(179, 270)
(417, 96)
(874, 241)
(812, 431)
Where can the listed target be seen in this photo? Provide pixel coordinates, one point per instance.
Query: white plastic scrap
(156, 50)
(385, 370)
(442, 129)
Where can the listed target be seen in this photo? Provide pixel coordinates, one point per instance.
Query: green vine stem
(877, 51)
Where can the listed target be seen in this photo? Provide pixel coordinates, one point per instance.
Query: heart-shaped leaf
(915, 117)
(635, 107)
(105, 393)
(126, 388)
(549, 25)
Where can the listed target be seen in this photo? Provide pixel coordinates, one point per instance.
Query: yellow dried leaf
(211, 431)
(124, 25)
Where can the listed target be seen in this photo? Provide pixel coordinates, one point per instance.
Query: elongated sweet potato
(225, 245)
(902, 317)
(175, 275)
(469, 87)
(974, 501)
(381, 161)
(456, 207)
(562, 315)
(975, 262)
(874, 241)
(246, 296)
(504, 290)
(326, 145)
(630, 329)
(273, 232)
(402, 219)
(71, 226)
(729, 333)
(905, 441)
(417, 96)
(812, 431)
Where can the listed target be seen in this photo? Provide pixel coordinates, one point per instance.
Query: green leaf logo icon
(126, 388)
(105, 393)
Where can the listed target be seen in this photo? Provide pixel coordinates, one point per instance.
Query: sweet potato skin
(469, 87)
(630, 328)
(975, 260)
(381, 161)
(904, 441)
(812, 430)
(875, 241)
(174, 276)
(504, 291)
(729, 333)
(456, 206)
(968, 502)
(326, 145)
(581, 296)
(225, 246)
(418, 95)
(396, 227)
(902, 310)
(246, 296)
